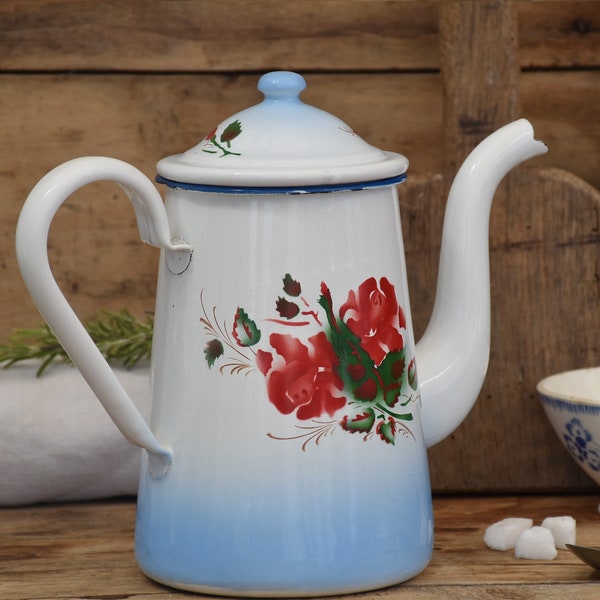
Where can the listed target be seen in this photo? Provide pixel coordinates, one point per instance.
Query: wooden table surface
(85, 551)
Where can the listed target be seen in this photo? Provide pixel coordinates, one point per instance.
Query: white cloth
(56, 441)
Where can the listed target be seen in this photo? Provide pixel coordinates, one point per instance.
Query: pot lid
(281, 142)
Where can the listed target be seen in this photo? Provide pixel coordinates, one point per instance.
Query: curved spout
(453, 354)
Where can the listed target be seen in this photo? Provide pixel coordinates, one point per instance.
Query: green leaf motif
(245, 331)
(327, 303)
(392, 372)
(212, 351)
(361, 422)
(231, 132)
(287, 309)
(291, 287)
(387, 431)
(356, 368)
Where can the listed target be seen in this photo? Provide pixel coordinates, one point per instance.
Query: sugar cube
(562, 528)
(503, 534)
(536, 543)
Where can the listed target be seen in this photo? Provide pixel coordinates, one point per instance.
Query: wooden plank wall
(143, 79)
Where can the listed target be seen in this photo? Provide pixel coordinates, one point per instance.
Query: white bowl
(572, 403)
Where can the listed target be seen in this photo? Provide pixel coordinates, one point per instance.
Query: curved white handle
(32, 255)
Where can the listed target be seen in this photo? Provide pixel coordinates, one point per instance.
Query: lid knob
(282, 85)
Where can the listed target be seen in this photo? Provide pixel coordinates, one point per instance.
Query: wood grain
(479, 95)
(86, 551)
(202, 35)
(538, 234)
(544, 264)
(559, 34)
(233, 36)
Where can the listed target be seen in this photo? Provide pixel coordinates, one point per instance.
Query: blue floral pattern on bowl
(580, 443)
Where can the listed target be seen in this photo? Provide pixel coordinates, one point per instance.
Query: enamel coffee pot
(286, 450)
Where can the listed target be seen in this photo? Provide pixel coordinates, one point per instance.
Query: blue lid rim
(306, 189)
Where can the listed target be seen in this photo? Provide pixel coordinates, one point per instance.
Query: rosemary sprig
(120, 337)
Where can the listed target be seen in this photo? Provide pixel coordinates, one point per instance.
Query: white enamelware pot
(292, 411)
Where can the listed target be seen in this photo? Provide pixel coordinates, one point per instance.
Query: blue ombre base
(266, 545)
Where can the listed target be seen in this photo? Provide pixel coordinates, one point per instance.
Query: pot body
(284, 383)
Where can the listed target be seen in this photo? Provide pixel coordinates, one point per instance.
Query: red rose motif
(374, 316)
(302, 378)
